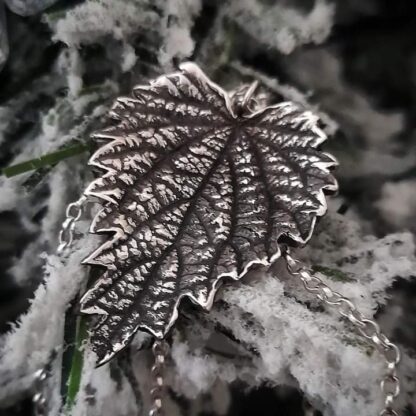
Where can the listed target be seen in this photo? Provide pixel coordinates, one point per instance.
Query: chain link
(369, 329)
(40, 405)
(72, 214)
(160, 351)
(39, 400)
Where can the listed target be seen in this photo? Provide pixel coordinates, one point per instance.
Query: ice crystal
(265, 328)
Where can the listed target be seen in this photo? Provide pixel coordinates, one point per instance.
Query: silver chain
(160, 351)
(73, 213)
(369, 329)
(160, 348)
(40, 405)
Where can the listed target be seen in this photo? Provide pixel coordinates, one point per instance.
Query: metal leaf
(195, 191)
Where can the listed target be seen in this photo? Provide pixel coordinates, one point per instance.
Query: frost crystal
(63, 68)
(282, 27)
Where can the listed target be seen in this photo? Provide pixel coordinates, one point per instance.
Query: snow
(281, 335)
(283, 27)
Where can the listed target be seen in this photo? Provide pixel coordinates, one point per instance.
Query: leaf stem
(45, 160)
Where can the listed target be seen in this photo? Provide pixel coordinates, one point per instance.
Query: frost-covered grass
(273, 330)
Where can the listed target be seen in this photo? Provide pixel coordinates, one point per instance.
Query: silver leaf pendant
(195, 189)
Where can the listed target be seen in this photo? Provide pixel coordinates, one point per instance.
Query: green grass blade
(45, 160)
(74, 379)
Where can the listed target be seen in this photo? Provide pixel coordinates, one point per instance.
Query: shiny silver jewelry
(197, 188)
(200, 185)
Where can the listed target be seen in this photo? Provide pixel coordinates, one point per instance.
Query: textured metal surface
(195, 190)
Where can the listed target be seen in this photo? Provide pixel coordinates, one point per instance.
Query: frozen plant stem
(74, 379)
(49, 159)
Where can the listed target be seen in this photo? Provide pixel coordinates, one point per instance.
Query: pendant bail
(243, 100)
(249, 94)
